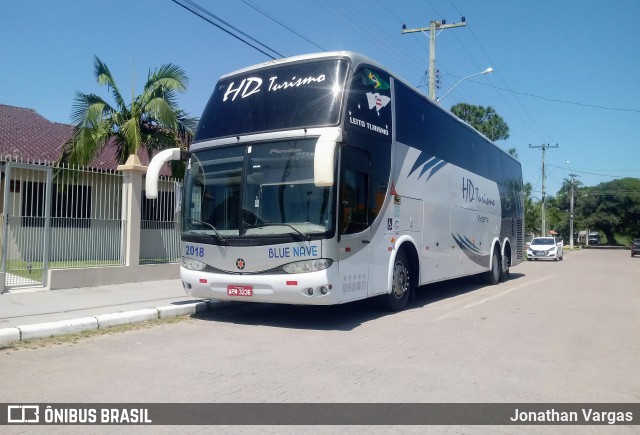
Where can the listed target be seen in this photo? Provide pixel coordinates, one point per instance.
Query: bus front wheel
(401, 284)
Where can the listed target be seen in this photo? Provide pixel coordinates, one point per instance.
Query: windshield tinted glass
(304, 94)
(255, 191)
(212, 191)
(279, 188)
(543, 242)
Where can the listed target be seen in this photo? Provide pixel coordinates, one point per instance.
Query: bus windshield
(258, 191)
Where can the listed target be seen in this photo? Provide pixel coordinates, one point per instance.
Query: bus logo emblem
(240, 264)
(377, 101)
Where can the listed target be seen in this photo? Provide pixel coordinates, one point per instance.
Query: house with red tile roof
(26, 135)
(80, 221)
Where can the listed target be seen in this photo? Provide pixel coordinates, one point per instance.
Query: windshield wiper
(220, 237)
(304, 236)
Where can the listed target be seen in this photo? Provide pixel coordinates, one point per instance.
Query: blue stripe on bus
(472, 252)
(436, 168)
(428, 166)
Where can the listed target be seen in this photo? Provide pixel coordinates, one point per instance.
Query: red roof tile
(26, 135)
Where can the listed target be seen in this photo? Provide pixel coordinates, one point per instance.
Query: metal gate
(25, 224)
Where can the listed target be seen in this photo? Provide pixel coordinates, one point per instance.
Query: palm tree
(568, 184)
(152, 120)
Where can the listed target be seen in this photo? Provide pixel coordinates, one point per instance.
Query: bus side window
(354, 192)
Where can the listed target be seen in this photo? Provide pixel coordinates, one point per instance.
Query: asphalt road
(556, 332)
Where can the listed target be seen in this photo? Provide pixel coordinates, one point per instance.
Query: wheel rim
(400, 280)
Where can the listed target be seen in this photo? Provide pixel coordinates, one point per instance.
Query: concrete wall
(97, 276)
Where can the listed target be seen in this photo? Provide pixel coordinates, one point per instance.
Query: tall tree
(557, 216)
(563, 198)
(612, 207)
(532, 211)
(483, 119)
(151, 120)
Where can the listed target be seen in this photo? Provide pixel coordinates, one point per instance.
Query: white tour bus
(323, 179)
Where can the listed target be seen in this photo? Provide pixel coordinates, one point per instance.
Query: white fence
(60, 217)
(160, 225)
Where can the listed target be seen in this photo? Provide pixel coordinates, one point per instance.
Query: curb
(50, 329)
(102, 321)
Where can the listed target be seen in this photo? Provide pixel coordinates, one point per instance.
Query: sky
(565, 71)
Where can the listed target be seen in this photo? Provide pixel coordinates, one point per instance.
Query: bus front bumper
(313, 288)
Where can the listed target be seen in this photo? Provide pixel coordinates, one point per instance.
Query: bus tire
(493, 276)
(505, 273)
(401, 284)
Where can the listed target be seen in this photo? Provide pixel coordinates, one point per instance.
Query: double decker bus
(323, 179)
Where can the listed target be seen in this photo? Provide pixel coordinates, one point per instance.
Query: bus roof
(356, 58)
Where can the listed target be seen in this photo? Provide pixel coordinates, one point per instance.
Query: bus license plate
(239, 290)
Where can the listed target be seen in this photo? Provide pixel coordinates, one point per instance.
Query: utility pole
(433, 27)
(544, 192)
(571, 211)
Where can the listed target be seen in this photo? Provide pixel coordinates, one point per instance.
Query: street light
(486, 71)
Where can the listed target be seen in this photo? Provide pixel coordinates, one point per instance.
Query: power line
(359, 24)
(433, 27)
(295, 32)
(607, 170)
(499, 74)
(590, 173)
(556, 100)
(215, 20)
(470, 55)
(407, 54)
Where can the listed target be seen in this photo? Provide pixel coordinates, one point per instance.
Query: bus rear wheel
(401, 284)
(493, 276)
(504, 270)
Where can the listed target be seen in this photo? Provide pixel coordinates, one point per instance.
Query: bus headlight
(191, 264)
(307, 266)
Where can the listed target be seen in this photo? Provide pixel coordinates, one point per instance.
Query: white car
(548, 248)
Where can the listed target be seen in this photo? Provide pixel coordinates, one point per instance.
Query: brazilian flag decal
(372, 79)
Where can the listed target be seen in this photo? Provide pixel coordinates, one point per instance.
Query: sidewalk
(43, 313)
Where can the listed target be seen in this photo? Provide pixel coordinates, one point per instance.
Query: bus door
(353, 224)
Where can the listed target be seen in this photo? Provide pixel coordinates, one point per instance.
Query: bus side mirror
(153, 171)
(323, 168)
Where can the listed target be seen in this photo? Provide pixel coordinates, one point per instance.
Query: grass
(624, 240)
